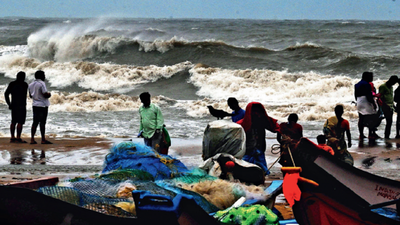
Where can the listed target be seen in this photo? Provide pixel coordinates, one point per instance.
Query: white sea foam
(88, 75)
(79, 157)
(78, 41)
(311, 95)
(70, 42)
(11, 50)
(4, 157)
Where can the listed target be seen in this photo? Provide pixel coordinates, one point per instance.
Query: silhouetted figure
(238, 113)
(220, 114)
(18, 90)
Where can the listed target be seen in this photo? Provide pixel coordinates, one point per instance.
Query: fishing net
(128, 167)
(110, 206)
(255, 214)
(129, 155)
(199, 199)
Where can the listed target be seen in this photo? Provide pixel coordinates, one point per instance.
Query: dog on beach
(220, 114)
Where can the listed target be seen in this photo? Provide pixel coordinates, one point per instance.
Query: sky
(207, 9)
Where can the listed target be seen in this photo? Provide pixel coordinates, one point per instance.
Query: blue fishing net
(130, 165)
(130, 155)
(200, 200)
(88, 201)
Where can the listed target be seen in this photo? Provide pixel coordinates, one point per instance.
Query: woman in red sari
(254, 123)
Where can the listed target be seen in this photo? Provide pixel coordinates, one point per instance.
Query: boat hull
(345, 194)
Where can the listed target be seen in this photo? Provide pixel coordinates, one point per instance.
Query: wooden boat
(345, 195)
(20, 205)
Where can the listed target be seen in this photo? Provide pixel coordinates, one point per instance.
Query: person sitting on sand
(321, 139)
(335, 129)
(40, 106)
(254, 123)
(18, 90)
(238, 113)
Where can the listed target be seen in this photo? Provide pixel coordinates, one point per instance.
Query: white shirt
(36, 89)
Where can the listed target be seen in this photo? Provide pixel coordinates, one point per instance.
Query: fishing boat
(345, 194)
(21, 204)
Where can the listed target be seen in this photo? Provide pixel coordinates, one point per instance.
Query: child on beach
(335, 129)
(321, 139)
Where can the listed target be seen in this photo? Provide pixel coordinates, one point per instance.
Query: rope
(275, 162)
(290, 153)
(274, 149)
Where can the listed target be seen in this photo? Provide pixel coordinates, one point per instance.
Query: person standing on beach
(291, 129)
(290, 134)
(40, 106)
(238, 113)
(254, 123)
(151, 123)
(18, 90)
(335, 129)
(397, 100)
(366, 106)
(386, 91)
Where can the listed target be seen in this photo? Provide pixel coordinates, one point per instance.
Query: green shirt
(150, 119)
(386, 94)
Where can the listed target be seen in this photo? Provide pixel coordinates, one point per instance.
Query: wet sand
(59, 144)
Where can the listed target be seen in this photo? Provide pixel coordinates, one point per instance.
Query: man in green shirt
(386, 91)
(151, 122)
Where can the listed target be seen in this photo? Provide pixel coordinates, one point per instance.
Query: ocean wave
(311, 95)
(307, 45)
(94, 102)
(12, 50)
(89, 75)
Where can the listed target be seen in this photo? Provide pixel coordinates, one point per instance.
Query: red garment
(271, 124)
(290, 189)
(326, 148)
(295, 131)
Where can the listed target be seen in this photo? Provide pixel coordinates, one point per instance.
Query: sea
(96, 68)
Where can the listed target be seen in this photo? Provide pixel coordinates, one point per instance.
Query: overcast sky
(246, 9)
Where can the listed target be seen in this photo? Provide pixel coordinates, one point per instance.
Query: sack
(165, 142)
(223, 136)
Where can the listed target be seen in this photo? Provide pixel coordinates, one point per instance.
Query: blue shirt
(363, 88)
(238, 115)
